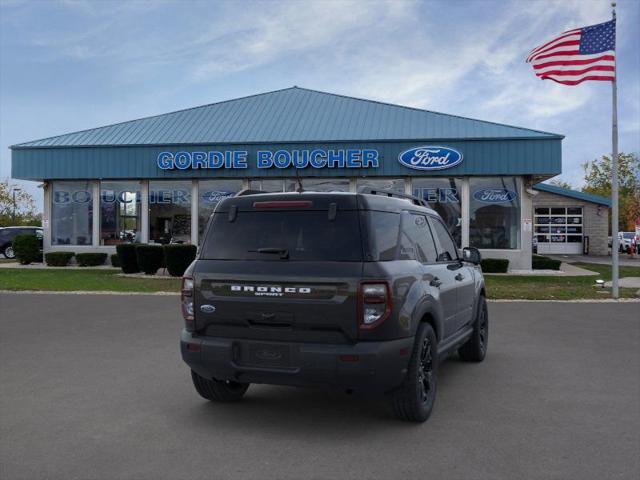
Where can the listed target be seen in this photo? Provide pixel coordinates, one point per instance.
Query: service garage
(158, 179)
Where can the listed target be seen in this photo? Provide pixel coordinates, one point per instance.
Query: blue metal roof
(292, 115)
(565, 192)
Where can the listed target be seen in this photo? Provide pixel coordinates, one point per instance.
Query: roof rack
(389, 193)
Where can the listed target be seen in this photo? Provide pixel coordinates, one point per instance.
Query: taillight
(374, 304)
(186, 300)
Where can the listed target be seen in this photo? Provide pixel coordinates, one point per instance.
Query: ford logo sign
(207, 308)
(430, 158)
(495, 195)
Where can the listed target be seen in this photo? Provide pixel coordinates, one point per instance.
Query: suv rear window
(303, 234)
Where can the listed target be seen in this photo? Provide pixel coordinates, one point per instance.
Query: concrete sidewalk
(624, 259)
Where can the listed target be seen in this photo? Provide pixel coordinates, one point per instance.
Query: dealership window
(170, 212)
(393, 184)
(267, 185)
(210, 192)
(557, 226)
(119, 212)
(72, 213)
(318, 184)
(494, 213)
(444, 195)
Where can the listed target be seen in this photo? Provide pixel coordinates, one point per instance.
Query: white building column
(144, 211)
(95, 227)
(46, 216)
(194, 211)
(526, 224)
(408, 186)
(464, 211)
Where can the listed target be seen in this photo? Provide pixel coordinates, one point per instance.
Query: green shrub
(545, 263)
(27, 248)
(115, 260)
(90, 259)
(178, 257)
(149, 258)
(127, 257)
(495, 265)
(58, 259)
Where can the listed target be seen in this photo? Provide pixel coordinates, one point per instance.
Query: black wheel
(476, 347)
(8, 252)
(218, 390)
(413, 400)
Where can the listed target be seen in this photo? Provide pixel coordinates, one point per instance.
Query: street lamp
(14, 203)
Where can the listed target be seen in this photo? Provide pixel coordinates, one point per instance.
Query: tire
(218, 390)
(8, 252)
(413, 401)
(476, 347)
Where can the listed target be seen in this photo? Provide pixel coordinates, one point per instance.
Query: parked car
(364, 292)
(625, 239)
(7, 234)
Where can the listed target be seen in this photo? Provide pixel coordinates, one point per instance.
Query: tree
(25, 207)
(597, 179)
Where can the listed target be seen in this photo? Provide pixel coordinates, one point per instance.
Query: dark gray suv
(359, 291)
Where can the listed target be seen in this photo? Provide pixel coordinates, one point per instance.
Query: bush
(127, 257)
(115, 260)
(27, 248)
(545, 263)
(178, 257)
(58, 259)
(495, 265)
(149, 258)
(90, 259)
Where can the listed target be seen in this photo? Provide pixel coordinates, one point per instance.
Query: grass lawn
(498, 287)
(557, 288)
(84, 280)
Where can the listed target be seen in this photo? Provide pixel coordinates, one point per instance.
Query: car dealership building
(158, 179)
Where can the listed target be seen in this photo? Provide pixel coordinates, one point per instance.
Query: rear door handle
(435, 282)
(459, 277)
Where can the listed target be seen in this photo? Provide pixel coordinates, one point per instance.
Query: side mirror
(472, 255)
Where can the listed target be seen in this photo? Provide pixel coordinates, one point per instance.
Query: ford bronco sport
(363, 292)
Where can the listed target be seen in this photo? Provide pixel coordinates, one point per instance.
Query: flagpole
(614, 177)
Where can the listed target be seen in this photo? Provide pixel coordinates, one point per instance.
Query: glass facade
(267, 184)
(170, 212)
(444, 195)
(494, 213)
(210, 192)
(119, 212)
(393, 184)
(72, 213)
(318, 184)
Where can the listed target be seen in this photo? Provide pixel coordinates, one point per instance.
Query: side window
(447, 249)
(383, 237)
(416, 230)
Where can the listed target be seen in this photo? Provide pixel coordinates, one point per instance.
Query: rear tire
(218, 390)
(476, 347)
(413, 401)
(8, 252)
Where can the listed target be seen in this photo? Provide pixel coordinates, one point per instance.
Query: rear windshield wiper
(283, 252)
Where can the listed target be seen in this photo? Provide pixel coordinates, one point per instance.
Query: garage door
(558, 229)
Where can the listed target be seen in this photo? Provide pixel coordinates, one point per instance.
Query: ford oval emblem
(430, 158)
(495, 195)
(265, 354)
(207, 308)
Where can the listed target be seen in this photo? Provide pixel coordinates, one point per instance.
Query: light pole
(14, 203)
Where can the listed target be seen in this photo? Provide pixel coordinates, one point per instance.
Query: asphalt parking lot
(93, 387)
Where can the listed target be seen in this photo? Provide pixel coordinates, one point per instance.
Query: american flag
(587, 53)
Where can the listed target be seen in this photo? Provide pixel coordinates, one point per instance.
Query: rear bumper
(364, 366)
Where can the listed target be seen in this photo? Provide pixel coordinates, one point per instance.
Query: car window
(383, 228)
(447, 250)
(416, 230)
(298, 235)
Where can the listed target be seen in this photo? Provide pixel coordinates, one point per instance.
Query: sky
(72, 65)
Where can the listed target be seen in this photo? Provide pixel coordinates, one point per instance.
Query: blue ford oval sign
(495, 195)
(430, 158)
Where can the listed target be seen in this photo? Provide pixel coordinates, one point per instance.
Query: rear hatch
(282, 268)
